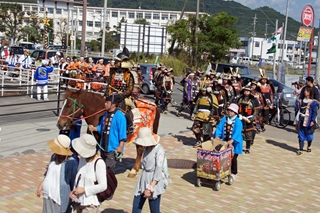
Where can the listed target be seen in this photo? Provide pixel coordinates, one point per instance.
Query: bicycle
(282, 115)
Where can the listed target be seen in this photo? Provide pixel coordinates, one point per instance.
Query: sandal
(299, 152)
(309, 149)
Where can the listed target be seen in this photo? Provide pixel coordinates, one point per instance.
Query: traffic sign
(72, 38)
(307, 16)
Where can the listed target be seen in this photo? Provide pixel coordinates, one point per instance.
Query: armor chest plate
(245, 107)
(100, 68)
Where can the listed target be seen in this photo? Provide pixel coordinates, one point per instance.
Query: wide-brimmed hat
(60, 145)
(146, 138)
(234, 107)
(246, 87)
(85, 146)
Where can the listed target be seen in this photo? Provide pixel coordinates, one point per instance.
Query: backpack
(165, 171)
(112, 184)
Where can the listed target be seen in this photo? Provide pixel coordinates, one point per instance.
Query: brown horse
(91, 106)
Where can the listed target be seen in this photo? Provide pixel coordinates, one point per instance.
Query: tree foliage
(142, 21)
(216, 35)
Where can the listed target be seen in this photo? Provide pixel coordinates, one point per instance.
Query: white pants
(45, 90)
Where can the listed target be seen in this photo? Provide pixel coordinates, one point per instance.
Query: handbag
(75, 203)
(313, 128)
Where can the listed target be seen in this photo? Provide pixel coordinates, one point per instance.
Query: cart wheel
(230, 180)
(217, 186)
(198, 184)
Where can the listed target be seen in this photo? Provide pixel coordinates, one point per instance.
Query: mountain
(244, 14)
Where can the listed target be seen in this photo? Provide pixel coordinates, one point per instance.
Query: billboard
(148, 39)
(304, 34)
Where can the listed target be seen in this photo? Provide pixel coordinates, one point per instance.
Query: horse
(92, 107)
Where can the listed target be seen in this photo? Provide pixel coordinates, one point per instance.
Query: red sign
(307, 16)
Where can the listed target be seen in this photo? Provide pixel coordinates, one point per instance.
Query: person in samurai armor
(267, 90)
(122, 81)
(204, 113)
(259, 103)
(236, 80)
(190, 91)
(210, 77)
(166, 90)
(199, 75)
(226, 83)
(73, 67)
(220, 92)
(158, 82)
(248, 113)
(229, 130)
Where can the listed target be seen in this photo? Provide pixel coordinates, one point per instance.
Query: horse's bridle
(76, 107)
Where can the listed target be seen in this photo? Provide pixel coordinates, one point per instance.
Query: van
(28, 45)
(147, 71)
(45, 54)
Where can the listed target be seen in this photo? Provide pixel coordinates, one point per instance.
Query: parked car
(288, 92)
(243, 70)
(147, 71)
(17, 50)
(45, 54)
(234, 60)
(28, 45)
(245, 60)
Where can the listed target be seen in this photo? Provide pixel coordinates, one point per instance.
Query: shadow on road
(127, 163)
(190, 177)
(282, 145)
(111, 210)
(188, 141)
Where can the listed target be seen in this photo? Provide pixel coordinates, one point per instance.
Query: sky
(295, 7)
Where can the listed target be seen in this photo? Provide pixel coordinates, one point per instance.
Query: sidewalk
(271, 179)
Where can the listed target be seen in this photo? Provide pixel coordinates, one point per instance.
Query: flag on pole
(280, 30)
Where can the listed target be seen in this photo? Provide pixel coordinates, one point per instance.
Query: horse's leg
(156, 121)
(137, 162)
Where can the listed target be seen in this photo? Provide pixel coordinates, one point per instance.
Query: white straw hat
(85, 146)
(60, 145)
(146, 138)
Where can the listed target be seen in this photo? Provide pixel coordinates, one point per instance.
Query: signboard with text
(307, 16)
(304, 34)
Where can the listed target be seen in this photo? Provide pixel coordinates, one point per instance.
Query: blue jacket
(42, 75)
(118, 130)
(236, 134)
(68, 173)
(313, 112)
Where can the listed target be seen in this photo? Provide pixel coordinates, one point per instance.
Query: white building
(95, 18)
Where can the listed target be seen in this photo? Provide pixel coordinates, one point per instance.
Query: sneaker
(299, 152)
(234, 177)
(247, 151)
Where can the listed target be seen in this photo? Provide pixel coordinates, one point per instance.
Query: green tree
(142, 21)
(95, 45)
(11, 20)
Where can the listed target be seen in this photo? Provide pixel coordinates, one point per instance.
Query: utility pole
(104, 28)
(274, 54)
(84, 26)
(266, 35)
(318, 57)
(253, 34)
(196, 36)
(284, 40)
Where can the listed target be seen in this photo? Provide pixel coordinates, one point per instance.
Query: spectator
(151, 183)
(229, 129)
(113, 131)
(38, 62)
(25, 61)
(315, 93)
(5, 53)
(55, 60)
(90, 170)
(59, 177)
(307, 119)
(41, 75)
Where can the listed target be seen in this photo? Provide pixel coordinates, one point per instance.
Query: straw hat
(85, 146)
(60, 145)
(234, 107)
(146, 138)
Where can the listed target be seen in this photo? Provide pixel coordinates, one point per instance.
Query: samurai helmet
(263, 74)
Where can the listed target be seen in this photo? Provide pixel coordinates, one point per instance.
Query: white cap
(57, 53)
(45, 62)
(5, 47)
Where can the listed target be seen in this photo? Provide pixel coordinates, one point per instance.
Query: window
(139, 15)
(58, 11)
(80, 23)
(257, 44)
(90, 23)
(156, 16)
(50, 10)
(97, 23)
(164, 16)
(26, 8)
(174, 17)
(279, 46)
(35, 8)
(42, 9)
(131, 15)
(123, 15)
(244, 43)
(147, 15)
(114, 14)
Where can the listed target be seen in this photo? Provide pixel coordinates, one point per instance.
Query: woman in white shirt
(86, 190)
